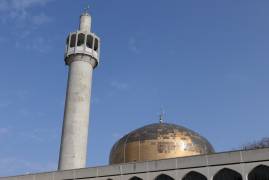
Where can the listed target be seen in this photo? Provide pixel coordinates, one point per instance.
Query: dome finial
(161, 120)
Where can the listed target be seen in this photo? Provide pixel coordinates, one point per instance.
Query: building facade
(237, 165)
(159, 151)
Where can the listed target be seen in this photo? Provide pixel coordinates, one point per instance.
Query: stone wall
(240, 162)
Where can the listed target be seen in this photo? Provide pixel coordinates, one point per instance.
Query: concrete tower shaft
(85, 22)
(82, 56)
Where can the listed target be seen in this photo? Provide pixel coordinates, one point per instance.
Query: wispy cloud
(22, 166)
(41, 19)
(2, 40)
(38, 44)
(18, 10)
(95, 100)
(4, 131)
(119, 85)
(39, 135)
(21, 4)
(4, 104)
(132, 44)
(12, 97)
(116, 135)
(22, 94)
(23, 21)
(4, 5)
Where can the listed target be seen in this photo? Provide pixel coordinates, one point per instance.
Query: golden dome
(158, 141)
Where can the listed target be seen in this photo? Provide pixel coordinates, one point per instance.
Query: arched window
(73, 40)
(194, 176)
(96, 44)
(135, 178)
(89, 41)
(227, 174)
(163, 177)
(81, 39)
(260, 172)
(67, 41)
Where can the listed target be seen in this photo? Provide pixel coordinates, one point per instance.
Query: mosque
(159, 151)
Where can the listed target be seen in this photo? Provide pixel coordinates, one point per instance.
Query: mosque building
(159, 151)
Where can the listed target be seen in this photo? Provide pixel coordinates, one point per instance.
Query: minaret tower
(82, 56)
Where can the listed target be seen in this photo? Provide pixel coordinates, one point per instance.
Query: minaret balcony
(82, 43)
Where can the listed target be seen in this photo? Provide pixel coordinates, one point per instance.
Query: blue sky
(204, 62)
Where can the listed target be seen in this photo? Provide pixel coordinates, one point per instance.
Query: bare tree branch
(263, 143)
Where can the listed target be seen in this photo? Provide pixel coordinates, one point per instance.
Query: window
(96, 44)
(67, 41)
(73, 40)
(89, 41)
(81, 39)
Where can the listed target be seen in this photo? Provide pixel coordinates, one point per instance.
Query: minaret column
(82, 56)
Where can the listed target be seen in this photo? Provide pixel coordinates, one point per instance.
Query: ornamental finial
(161, 120)
(86, 9)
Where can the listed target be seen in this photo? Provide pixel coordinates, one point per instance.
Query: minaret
(82, 56)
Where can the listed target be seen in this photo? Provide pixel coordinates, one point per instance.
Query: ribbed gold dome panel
(158, 141)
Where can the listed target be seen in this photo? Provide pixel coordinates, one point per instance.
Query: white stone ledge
(213, 161)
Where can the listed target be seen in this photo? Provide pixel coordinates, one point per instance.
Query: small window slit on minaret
(73, 41)
(89, 41)
(81, 39)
